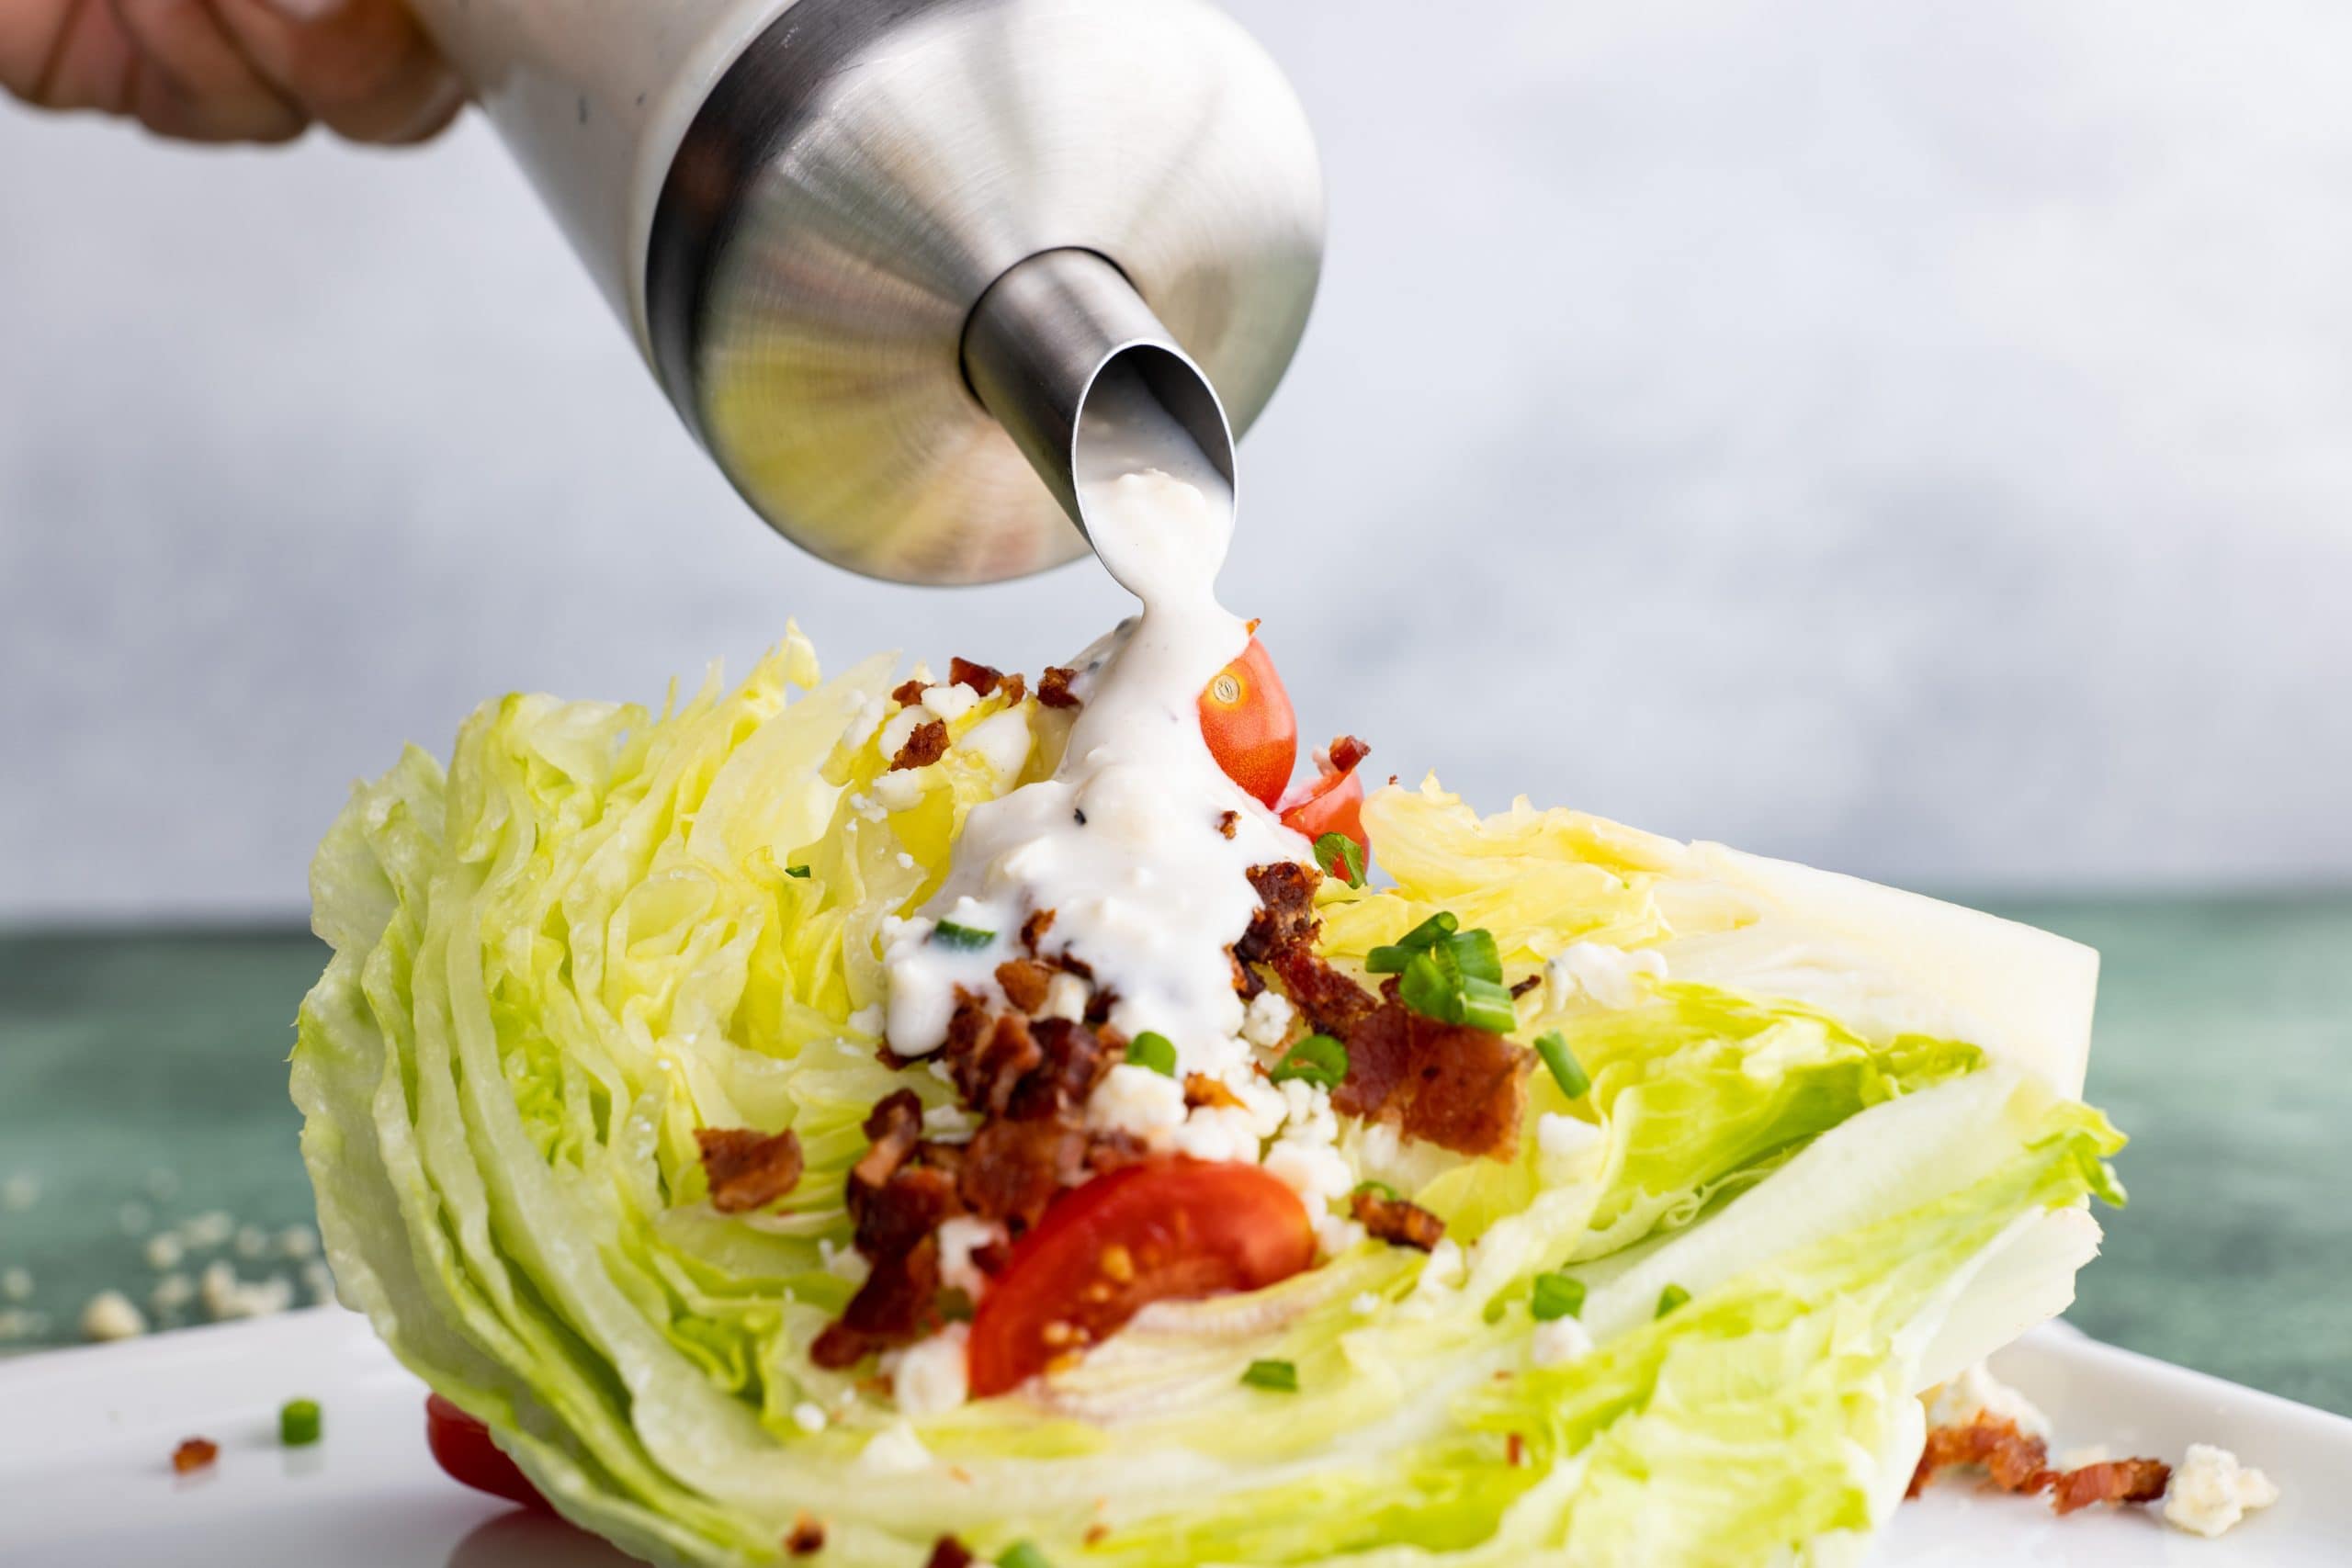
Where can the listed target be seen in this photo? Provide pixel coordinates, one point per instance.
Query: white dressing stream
(1128, 843)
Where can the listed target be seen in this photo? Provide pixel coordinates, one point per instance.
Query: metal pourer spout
(1041, 340)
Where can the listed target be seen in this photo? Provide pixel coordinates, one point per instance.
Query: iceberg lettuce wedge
(1841, 1119)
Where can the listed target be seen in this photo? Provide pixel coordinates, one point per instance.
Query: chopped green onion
(1378, 1189)
(968, 939)
(1279, 1377)
(1488, 1005)
(1429, 990)
(1474, 953)
(1154, 1050)
(1393, 958)
(796, 871)
(1669, 1298)
(1340, 856)
(1319, 1059)
(1557, 1296)
(297, 1423)
(1567, 1071)
(1022, 1554)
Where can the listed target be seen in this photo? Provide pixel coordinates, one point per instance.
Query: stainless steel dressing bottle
(877, 252)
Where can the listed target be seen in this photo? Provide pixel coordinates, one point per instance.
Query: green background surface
(2224, 1048)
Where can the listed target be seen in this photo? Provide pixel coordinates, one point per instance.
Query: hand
(232, 70)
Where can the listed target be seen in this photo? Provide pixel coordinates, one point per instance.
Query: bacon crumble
(748, 1169)
(981, 678)
(1053, 687)
(1229, 823)
(909, 693)
(194, 1454)
(2109, 1480)
(2017, 1461)
(807, 1537)
(1345, 753)
(1396, 1222)
(925, 746)
(948, 1553)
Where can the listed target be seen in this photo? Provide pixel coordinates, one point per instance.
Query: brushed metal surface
(868, 168)
(1041, 341)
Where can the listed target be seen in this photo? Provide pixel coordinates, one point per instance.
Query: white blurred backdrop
(1915, 439)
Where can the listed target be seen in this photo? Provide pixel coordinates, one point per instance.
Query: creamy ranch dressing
(1123, 843)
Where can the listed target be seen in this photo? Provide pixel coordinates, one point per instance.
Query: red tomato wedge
(1245, 718)
(462, 1445)
(1334, 802)
(1167, 1229)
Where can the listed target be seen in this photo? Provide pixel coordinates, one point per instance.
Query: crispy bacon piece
(1053, 687)
(1229, 823)
(909, 693)
(948, 1553)
(1345, 753)
(897, 1304)
(2015, 1460)
(1025, 982)
(1459, 1087)
(194, 1454)
(1072, 1059)
(1011, 1170)
(1515, 1450)
(748, 1169)
(1394, 1221)
(925, 746)
(2111, 1481)
(1033, 929)
(893, 1128)
(983, 680)
(1202, 1089)
(1015, 688)
(1520, 988)
(1282, 937)
(807, 1537)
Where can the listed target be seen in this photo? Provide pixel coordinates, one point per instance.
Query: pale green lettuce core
(1843, 1124)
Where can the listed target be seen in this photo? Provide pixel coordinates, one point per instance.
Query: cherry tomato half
(1245, 718)
(462, 1445)
(1333, 803)
(1167, 1229)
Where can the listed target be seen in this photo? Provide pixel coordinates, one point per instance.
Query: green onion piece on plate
(1567, 1071)
(1669, 1298)
(1154, 1050)
(297, 1423)
(1277, 1377)
(1023, 1555)
(801, 871)
(1319, 1059)
(1557, 1296)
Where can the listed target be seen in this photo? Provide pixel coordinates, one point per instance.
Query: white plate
(87, 1437)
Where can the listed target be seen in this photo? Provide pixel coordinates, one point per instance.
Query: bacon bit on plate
(1521, 988)
(2109, 1480)
(983, 680)
(1448, 1084)
(1346, 752)
(909, 693)
(1394, 1221)
(925, 746)
(1229, 823)
(194, 1454)
(1053, 687)
(748, 1169)
(1515, 1450)
(807, 1537)
(948, 1553)
(1097, 1533)
(2017, 1461)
